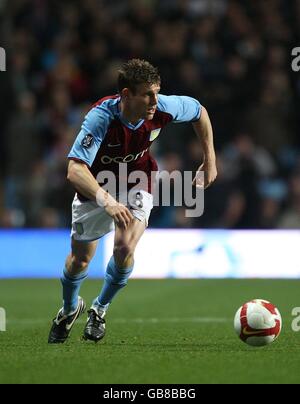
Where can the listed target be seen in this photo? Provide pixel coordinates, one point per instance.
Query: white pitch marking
(131, 320)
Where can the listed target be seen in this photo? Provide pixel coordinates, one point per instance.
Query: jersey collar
(124, 121)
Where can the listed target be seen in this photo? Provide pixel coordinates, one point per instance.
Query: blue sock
(71, 286)
(114, 280)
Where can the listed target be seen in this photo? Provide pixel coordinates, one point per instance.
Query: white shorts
(90, 221)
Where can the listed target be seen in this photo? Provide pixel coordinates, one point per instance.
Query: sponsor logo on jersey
(121, 159)
(154, 133)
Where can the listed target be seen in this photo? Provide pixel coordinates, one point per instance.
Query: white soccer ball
(258, 322)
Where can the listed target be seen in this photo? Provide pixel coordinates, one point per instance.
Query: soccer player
(118, 130)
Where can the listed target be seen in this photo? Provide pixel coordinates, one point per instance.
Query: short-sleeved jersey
(106, 139)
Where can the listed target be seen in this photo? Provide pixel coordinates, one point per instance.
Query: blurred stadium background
(234, 56)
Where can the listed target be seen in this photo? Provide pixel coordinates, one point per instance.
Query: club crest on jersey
(87, 141)
(154, 133)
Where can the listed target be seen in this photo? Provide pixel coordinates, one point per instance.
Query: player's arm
(81, 157)
(83, 181)
(188, 109)
(204, 130)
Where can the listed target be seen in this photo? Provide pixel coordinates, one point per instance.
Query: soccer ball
(258, 322)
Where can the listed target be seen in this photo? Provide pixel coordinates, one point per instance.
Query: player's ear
(125, 92)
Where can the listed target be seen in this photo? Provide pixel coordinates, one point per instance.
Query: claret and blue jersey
(106, 139)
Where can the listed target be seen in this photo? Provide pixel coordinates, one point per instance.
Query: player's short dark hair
(137, 71)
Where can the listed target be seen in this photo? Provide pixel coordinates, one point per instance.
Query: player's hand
(209, 169)
(119, 212)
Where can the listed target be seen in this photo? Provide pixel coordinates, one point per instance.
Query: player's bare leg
(118, 271)
(79, 258)
(74, 274)
(126, 241)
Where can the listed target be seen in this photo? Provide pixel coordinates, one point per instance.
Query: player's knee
(80, 264)
(123, 252)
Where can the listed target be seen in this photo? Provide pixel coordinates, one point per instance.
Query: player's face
(144, 100)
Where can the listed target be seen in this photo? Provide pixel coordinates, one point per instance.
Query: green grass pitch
(158, 331)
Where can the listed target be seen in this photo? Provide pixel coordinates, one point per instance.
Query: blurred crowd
(232, 55)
